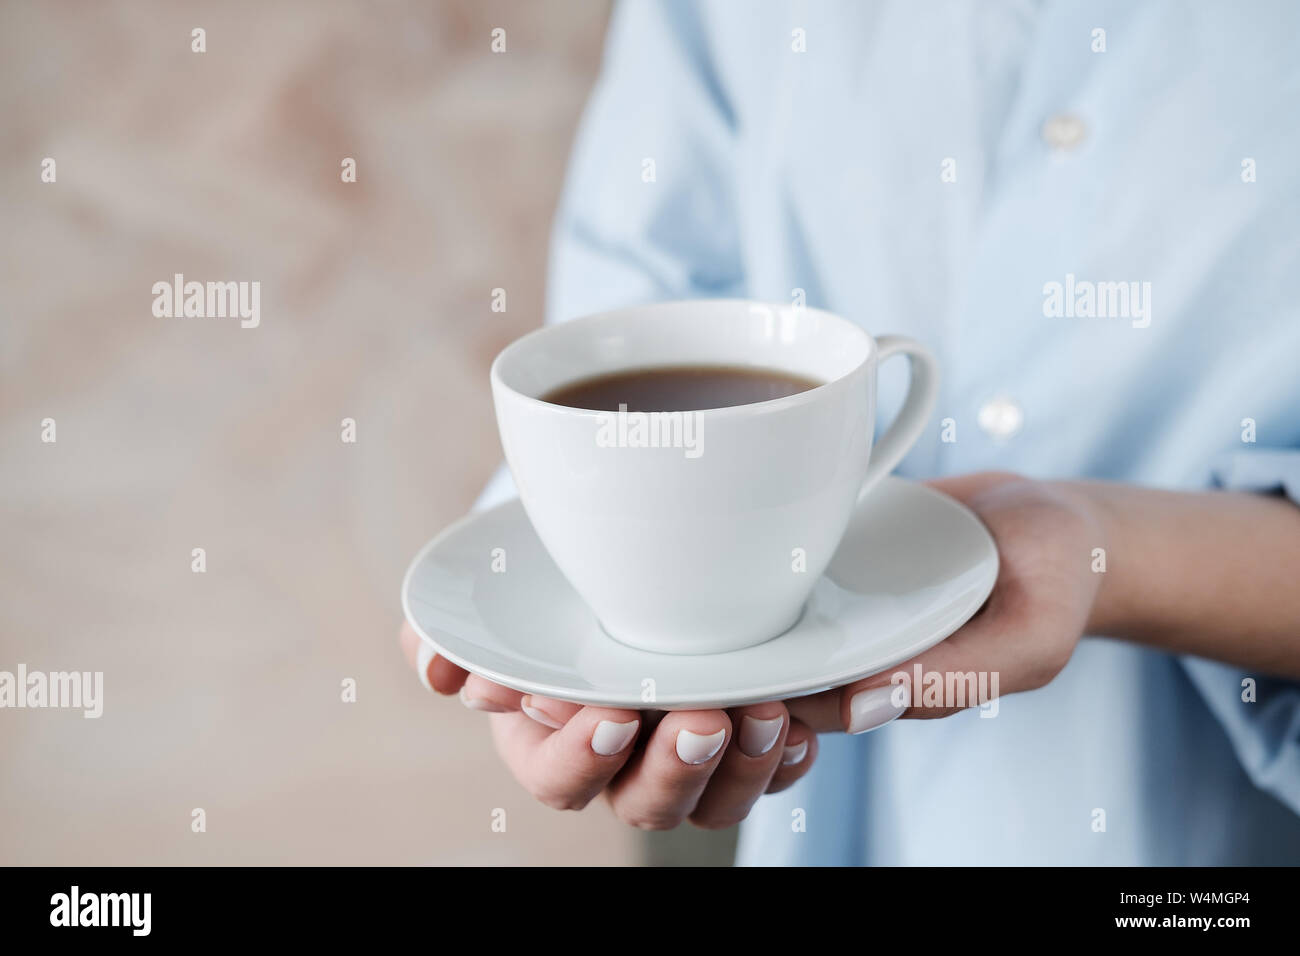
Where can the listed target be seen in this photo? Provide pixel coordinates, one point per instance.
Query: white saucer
(913, 567)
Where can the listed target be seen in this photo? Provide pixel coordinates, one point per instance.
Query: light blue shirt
(932, 169)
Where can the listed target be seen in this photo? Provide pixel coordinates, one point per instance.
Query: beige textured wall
(222, 690)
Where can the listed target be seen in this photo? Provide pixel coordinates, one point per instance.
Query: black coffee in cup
(679, 388)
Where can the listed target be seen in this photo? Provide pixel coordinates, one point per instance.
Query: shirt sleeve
(648, 211)
(1259, 714)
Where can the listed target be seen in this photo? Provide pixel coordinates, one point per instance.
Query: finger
(992, 654)
(566, 768)
(548, 711)
(864, 705)
(867, 704)
(553, 713)
(435, 673)
(797, 756)
(966, 487)
(821, 711)
(746, 767)
(479, 693)
(663, 783)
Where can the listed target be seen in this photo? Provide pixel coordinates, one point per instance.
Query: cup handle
(922, 394)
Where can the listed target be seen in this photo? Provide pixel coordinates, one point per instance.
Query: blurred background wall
(223, 689)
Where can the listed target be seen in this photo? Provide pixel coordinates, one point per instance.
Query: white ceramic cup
(713, 540)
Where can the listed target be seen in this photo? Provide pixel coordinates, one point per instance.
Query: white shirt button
(1064, 131)
(1001, 417)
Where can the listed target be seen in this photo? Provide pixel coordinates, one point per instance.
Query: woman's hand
(710, 767)
(657, 769)
(1041, 604)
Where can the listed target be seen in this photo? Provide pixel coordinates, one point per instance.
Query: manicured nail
(424, 656)
(794, 754)
(479, 703)
(610, 738)
(697, 748)
(543, 718)
(874, 708)
(757, 737)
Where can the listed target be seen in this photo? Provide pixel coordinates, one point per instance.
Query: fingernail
(794, 753)
(610, 738)
(874, 708)
(424, 656)
(479, 703)
(540, 716)
(697, 748)
(757, 737)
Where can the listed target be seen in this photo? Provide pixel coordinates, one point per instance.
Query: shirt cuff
(1264, 732)
(1264, 469)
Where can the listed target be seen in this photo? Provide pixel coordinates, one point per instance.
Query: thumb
(960, 672)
